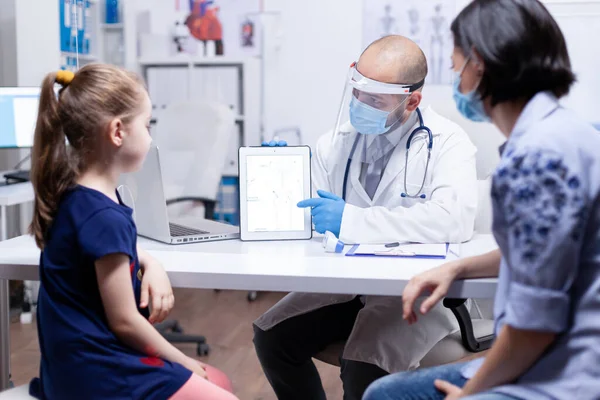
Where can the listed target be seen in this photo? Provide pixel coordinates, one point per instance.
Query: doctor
(392, 173)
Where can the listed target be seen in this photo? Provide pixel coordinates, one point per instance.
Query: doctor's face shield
(372, 107)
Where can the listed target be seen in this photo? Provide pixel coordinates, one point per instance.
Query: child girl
(96, 335)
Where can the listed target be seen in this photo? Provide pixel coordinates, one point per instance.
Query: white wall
(306, 66)
(8, 44)
(580, 22)
(38, 41)
(29, 41)
(29, 49)
(305, 74)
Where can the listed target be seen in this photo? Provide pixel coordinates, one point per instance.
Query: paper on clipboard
(419, 250)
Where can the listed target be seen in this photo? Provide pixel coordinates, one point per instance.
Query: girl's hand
(157, 289)
(196, 367)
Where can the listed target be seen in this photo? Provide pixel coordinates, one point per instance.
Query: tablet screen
(272, 183)
(275, 186)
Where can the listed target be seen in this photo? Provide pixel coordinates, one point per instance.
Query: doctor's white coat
(447, 214)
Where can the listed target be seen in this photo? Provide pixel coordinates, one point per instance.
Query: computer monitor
(18, 115)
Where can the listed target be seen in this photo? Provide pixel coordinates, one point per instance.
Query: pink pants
(216, 387)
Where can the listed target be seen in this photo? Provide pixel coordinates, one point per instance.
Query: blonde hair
(86, 103)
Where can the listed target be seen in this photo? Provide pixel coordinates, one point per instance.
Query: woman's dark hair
(523, 49)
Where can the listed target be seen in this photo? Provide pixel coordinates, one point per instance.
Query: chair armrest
(209, 205)
(469, 341)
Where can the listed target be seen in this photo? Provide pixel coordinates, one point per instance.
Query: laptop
(143, 191)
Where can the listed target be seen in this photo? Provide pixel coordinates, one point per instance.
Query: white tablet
(272, 182)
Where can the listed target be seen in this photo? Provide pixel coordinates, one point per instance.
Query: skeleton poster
(427, 22)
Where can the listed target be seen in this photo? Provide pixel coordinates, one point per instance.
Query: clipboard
(408, 250)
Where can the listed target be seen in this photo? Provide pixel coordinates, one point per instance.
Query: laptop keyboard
(178, 230)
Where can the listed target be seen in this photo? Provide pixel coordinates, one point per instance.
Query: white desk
(300, 266)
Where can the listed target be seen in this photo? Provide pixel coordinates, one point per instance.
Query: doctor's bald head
(393, 59)
(397, 60)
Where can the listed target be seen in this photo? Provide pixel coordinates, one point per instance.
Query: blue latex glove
(327, 211)
(274, 143)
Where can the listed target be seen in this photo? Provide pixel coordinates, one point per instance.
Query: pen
(395, 244)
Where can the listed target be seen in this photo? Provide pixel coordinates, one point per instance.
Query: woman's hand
(157, 289)
(436, 281)
(452, 392)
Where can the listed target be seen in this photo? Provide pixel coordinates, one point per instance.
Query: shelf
(180, 60)
(84, 57)
(238, 118)
(113, 27)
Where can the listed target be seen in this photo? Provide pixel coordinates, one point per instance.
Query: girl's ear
(115, 132)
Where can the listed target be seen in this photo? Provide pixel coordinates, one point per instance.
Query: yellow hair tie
(64, 77)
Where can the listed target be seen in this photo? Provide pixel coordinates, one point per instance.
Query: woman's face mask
(470, 105)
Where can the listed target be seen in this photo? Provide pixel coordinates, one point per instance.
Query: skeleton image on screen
(274, 189)
(388, 22)
(438, 24)
(426, 22)
(414, 30)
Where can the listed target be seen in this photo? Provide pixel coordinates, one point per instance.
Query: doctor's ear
(413, 101)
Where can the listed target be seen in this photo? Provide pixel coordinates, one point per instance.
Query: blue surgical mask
(469, 105)
(366, 119)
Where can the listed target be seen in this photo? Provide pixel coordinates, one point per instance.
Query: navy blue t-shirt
(81, 357)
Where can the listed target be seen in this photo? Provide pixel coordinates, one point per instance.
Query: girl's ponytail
(51, 170)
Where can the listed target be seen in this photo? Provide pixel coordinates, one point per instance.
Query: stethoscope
(416, 131)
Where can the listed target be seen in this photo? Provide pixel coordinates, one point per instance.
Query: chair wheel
(252, 296)
(203, 349)
(177, 328)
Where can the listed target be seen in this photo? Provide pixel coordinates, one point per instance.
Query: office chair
(194, 140)
(474, 335)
